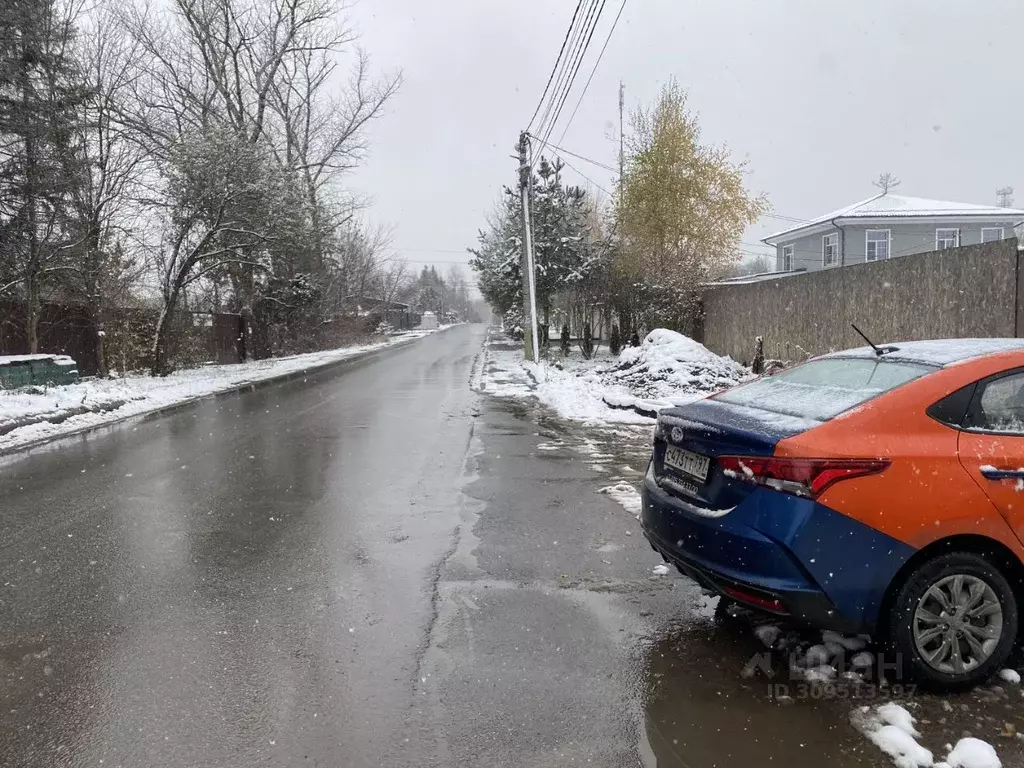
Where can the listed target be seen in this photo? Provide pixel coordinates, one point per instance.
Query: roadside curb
(235, 389)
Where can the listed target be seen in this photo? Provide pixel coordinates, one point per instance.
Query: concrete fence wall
(960, 292)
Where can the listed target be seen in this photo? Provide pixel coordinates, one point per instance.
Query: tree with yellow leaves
(681, 212)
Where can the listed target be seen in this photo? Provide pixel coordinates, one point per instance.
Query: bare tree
(259, 70)
(457, 291)
(361, 252)
(110, 167)
(758, 265)
(885, 182)
(394, 278)
(324, 135)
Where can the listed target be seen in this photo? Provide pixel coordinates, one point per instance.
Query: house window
(991, 234)
(830, 250)
(787, 258)
(877, 244)
(947, 238)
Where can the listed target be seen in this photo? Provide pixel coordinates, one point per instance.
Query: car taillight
(767, 603)
(801, 477)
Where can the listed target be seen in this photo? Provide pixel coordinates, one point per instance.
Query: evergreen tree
(615, 340)
(40, 96)
(563, 254)
(587, 341)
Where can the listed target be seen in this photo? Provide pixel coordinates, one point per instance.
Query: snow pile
(570, 386)
(626, 495)
(835, 654)
(670, 366)
(973, 753)
(30, 415)
(1010, 676)
(890, 727)
(579, 393)
(667, 369)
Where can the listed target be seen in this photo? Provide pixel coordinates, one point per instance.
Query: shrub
(587, 342)
(615, 341)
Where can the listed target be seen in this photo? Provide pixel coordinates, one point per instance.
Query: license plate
(692, 464)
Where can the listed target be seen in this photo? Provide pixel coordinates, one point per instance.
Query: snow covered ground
(29, 416)
(666, 369)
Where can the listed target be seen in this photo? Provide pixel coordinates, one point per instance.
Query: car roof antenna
(878, 350)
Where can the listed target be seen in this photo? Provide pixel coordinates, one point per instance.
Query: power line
(565, 40)
(785, 218)
(575, 32)
(573, 154)
(576, 69)
(583, 175)
(432, 250)
(580, 51)
(577, 35)
(572, 52)
(596, 64)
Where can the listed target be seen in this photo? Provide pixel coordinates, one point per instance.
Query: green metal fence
(36, 370)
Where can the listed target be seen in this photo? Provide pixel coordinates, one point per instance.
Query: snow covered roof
(57, 359)
(938, 351)
(888, 206)
(757, 278)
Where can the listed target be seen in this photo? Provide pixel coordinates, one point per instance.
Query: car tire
(968, 648)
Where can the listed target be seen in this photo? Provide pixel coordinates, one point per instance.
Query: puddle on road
(700, 711)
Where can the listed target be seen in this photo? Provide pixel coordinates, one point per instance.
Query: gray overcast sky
(818, 97)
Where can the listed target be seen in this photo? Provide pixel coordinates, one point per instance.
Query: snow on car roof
(937, 351)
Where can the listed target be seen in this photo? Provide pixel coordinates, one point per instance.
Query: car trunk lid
(690, 438)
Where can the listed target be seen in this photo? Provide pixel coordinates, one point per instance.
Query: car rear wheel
(953, 622)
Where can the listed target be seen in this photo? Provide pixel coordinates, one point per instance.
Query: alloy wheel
(957, 623)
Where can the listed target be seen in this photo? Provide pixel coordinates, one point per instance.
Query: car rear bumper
(809, 606)
(778, 553)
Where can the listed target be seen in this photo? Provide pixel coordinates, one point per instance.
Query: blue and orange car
(877, 490)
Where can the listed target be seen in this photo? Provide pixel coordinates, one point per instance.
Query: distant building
(394, 313)
(368, 305)
(886, 226)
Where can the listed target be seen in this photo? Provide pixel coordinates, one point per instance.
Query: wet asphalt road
(375, 566)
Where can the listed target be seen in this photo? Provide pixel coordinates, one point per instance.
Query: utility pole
(530, 341)
(1005, 197)
(622, 104)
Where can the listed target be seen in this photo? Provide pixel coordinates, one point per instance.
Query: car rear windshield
(822, 389)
